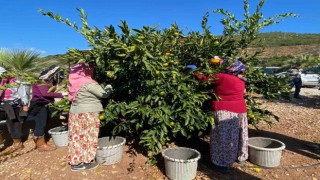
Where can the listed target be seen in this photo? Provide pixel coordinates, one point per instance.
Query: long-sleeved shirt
(24, 93)
(11, 94)
(230, 90)
(40, 94)
(295, 72)
(88, 99)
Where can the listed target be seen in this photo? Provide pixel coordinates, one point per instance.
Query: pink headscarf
(7, 92)
(8, 80)
(80, 75)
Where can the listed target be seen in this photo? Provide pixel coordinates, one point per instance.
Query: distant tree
(310, 61)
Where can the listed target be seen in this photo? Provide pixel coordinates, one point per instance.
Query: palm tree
(21, 62)
(3, 55)
(24, 60)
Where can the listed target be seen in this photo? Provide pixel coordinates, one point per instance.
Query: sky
(23, 27)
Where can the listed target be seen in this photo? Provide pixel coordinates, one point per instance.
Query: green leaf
(148, 98)
(51, 89)
(184, 133)
(121, 55)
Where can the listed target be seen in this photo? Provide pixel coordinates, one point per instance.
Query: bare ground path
(298, 128)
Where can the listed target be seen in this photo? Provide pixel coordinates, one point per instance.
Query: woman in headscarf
(38, 110)
(15, 97)
(83, 126)
(229, 135)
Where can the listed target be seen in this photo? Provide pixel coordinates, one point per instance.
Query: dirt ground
(298, 128)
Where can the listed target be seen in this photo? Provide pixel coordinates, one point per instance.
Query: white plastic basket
(265, 152)
(181, 163)
(59, 136)
(110, 150)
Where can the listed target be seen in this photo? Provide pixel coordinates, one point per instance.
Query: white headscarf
(2, 70)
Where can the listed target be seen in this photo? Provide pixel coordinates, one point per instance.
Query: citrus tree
(156, 98)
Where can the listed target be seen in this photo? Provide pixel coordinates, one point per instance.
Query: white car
(269, 70)
(281, 74)
(310, 77)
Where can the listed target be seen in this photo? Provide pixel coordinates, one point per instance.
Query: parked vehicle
(310, 77)
(269, 70)
(281, 74)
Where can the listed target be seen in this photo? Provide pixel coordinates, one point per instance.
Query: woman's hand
(25, 108)
(108, 87)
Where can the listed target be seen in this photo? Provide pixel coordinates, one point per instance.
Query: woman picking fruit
(84, 121)
(229, 135)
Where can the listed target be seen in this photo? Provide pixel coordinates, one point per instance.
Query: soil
(298, 128)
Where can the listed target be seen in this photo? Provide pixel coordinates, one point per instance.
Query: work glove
(108, 87)
(191, 66)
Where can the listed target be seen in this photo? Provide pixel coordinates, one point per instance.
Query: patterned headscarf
(236, 68)
(49, 72)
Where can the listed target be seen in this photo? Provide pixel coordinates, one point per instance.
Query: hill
(47, 61)
(288, 44)
(288, 51)
(276, 39)
(279, 47)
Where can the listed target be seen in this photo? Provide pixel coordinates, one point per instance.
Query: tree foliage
(156, 98)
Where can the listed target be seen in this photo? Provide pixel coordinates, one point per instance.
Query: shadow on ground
(308, 101)
(205, 166)
(27, 130)
(305, 148)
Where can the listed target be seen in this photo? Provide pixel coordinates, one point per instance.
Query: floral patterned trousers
(83, 131)
(229, 138)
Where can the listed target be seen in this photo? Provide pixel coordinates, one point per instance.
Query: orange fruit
(102, 117)
(132, 48)
(162, 93)
(251, 115)
(158, 73)
(110, 74)
(216, 43)
(165, 64)
(214, 61)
